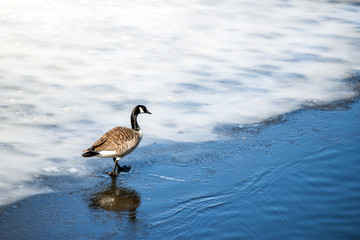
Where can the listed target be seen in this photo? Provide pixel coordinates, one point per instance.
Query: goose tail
(90, 153)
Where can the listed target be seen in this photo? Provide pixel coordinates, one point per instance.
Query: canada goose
(118, 142)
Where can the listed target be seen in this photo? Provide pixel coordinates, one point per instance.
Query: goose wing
(118, 139)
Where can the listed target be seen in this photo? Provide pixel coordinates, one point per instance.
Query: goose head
(139, 109)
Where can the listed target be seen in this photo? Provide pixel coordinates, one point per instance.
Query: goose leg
(123, 168)
(119, 169)
(113, 173)
(117, 165)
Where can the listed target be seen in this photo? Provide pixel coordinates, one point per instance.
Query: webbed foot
(124, 169)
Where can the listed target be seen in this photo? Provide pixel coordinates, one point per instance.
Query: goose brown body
(121, 140)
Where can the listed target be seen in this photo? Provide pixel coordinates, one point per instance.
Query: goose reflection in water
(117, 199)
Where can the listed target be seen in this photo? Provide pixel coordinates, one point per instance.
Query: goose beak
(148, 112)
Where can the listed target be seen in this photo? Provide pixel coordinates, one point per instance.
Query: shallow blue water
(292, 180)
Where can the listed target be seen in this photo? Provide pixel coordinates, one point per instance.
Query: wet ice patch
(72, 170)
(169, 178)
(51, 169)
(179, 59)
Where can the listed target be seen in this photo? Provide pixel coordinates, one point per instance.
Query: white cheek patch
(141, 110)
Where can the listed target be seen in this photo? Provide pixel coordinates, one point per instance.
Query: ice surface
(70, 70)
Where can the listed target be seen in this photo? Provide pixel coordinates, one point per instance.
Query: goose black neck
(134, 123)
